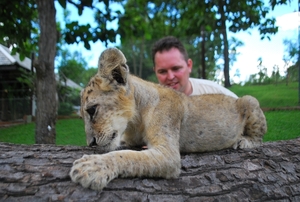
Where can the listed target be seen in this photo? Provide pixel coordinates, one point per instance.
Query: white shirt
(202, 86)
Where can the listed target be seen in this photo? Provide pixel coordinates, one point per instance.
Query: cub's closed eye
(91, 111)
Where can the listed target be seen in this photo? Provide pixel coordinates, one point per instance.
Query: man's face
(172, 70)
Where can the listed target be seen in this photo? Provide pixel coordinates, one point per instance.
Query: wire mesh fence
(15, 108)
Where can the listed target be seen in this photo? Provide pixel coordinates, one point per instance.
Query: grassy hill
(271, 96)
(282, 124)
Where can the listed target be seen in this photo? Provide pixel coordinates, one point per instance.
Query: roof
(72, 84)
(7, 59)
(68, 82)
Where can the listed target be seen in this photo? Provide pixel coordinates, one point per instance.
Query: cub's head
(106, 103)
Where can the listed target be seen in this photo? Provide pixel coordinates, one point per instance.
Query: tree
(235, 16)
(21, 16)
(45, 82)
(72, 66)
(46, 105)
(15, 28)
(75, 33)
(267, 173)
(290, 59)
(199, 22)
(87, 74)
(135, 32)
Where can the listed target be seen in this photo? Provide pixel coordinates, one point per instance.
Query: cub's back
(210, 121)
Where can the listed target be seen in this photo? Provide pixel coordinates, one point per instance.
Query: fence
(15, 108)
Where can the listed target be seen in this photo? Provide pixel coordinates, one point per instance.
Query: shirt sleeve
(202, 86)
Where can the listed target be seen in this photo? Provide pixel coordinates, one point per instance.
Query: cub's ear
(112, 66)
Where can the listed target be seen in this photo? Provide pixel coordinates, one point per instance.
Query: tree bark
(203, 52)
(225, 43)
(46, 84)
(267, 173)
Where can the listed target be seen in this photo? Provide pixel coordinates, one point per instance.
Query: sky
(271, 51)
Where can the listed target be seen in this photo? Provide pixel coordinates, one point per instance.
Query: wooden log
(268, 173)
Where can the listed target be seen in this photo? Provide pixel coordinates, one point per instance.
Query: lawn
(68, 132)
(271, 96)
(282, 125)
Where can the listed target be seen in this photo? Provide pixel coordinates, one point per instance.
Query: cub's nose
(93, 142)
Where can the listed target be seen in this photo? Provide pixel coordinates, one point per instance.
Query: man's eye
(161, 72)
(91, 111)
(175, 69)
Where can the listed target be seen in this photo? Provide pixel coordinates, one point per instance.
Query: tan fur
(118, 107)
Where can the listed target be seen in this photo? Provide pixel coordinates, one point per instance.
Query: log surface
(268, 173)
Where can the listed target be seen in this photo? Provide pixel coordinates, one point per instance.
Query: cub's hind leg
(255, 125)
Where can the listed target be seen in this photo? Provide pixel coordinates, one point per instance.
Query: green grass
(68, 132)
(282, 125)
(272, 96)
(20, 134)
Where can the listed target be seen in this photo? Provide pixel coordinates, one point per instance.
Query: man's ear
(190, 64)
(112, 66)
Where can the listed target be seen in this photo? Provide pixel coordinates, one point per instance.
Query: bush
(65, 108)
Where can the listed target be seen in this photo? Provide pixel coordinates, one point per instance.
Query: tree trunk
(142, 49)
(46, 85)
(225, 43)
(203, 51)
(131, 45)
(298, 56)
(267, 173)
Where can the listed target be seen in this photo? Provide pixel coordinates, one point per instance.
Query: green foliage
(290, 59)
(291, 50)
(75, 32)
(87, 74)
(65, 109)
(68, 95)
(18, 26)
(72, 66)
(262, 78)
(293, 73)
(201, 24)
(75, 67)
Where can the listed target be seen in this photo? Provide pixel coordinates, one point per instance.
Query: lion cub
(120, 108)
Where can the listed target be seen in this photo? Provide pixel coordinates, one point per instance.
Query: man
(172, 67)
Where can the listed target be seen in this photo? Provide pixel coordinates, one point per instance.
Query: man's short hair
(165, 44)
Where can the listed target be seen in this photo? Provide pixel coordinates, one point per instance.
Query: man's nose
(170, 75)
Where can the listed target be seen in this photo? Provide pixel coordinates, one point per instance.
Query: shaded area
(270, 172)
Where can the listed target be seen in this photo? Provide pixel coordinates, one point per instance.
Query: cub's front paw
(92, 171)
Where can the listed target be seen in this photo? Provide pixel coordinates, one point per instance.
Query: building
(16, 96)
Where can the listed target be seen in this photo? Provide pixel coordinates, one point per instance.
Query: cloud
(289, 21)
